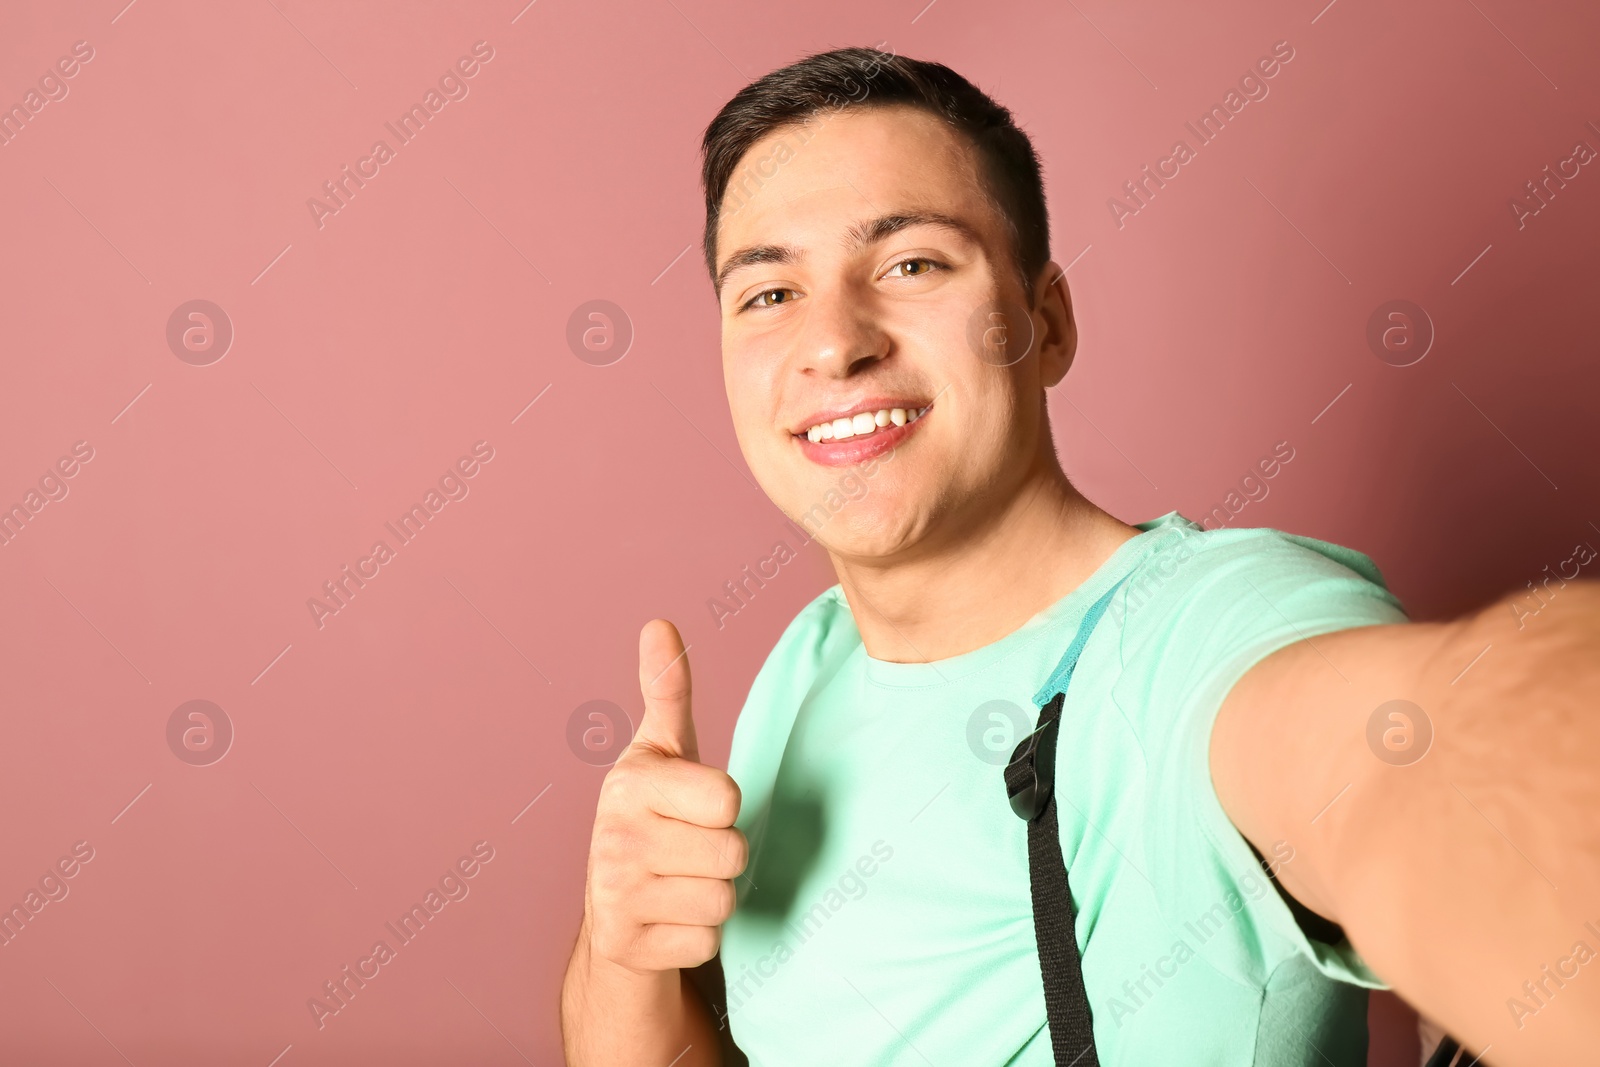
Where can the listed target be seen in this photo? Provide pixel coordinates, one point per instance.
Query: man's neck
(1043, 543)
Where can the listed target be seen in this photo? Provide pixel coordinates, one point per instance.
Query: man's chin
(873, 527)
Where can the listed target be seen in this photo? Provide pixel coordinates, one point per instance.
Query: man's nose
(841, 335)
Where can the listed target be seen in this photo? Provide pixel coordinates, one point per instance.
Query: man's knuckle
(609, 941)
(608, 884)
(624, 783)
(621, 851)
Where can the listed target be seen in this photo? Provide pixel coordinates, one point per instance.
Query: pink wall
(371, 349)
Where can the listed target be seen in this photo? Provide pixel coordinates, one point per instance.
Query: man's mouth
(862, 423)
(861, 435)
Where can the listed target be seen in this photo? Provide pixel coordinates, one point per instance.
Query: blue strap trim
(1057, 682)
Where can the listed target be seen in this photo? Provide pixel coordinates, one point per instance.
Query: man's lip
(866, 403)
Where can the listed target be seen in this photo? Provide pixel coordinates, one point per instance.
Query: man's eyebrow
(858, 237)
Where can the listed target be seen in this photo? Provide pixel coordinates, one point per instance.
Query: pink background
(370, 353)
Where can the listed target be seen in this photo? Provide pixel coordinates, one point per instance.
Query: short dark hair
(867, 77)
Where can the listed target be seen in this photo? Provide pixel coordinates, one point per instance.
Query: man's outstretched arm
(1466, 868)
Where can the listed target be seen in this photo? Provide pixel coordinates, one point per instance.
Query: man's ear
(1060, 340)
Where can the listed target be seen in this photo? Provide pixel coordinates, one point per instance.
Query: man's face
(860, 317)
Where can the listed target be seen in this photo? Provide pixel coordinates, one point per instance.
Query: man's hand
(665, 849)
(661, 864)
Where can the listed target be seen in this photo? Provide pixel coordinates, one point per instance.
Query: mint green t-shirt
(885, 916)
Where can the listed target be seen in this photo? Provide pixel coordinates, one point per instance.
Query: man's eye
(761, 298)
(931, 265)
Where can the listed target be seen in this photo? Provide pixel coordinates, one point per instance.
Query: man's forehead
(871, 151)
(854, 180)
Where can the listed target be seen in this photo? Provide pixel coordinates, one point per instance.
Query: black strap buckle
(1031, 774)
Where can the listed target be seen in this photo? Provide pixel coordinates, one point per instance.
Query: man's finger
(668, 723)
(685, 901)
(669, 945)
(684, 790)
(677, 849)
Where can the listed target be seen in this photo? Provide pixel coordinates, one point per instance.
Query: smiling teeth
(864, 422)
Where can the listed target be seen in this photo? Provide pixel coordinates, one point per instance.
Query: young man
(1255, 830)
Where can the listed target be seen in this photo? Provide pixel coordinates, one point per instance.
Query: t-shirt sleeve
(1195, 616)
(811, 648)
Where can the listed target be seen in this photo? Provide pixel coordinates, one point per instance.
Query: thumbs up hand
(665, 851)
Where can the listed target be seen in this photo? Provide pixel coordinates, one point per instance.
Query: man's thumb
(668, 723)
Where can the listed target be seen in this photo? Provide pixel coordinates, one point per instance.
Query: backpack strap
(1451, 1054)
(1030, 785)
